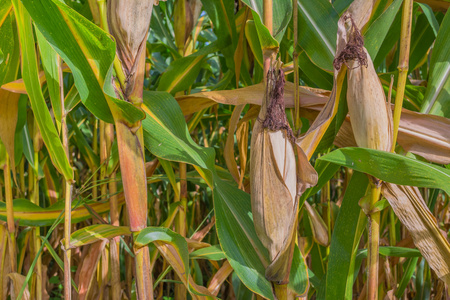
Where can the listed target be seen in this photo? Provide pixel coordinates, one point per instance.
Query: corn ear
(273, 181)
(370, 116)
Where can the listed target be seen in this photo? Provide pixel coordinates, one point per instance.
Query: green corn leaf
(437, 100)
(31, 79)
(89, 52)
(391, 167)
(345, 240)
(94, 233)
(29, 214)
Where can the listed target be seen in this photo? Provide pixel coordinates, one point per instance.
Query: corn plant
(230, 149)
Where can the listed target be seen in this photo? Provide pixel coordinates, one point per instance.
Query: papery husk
(371, 118)
(273, 194)
(414, 214)
(274, 188)
(319, 229)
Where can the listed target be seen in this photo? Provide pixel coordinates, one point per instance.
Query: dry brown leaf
(242, 140)
(425, 135)
(172, 257)
(228, 154)
(219, 278)
(310, 140)
(195, 244)
(422, 134)
(87, 270)
(17, 280)
(9, 109)
(253, 94)
(200, 235)
(412, 211)
(319, 229)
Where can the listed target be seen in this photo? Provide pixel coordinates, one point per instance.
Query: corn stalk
(128, 22)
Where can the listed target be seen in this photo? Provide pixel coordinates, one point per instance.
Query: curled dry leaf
(253, 94)
(229, 145)
(17, 280)
(422, 134)
(412, 211)
(319, 229)
(274, 181)
(85, 273)
(219, 278)
(9, 109)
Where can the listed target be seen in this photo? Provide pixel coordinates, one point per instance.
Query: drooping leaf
(94, 233)
(30, 76)
(391, 167)
(89, 52)
(29, 214)
(175, 250)
(317, 23)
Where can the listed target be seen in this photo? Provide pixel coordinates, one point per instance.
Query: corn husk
(319, 229)
(370, 116)
(274, 188)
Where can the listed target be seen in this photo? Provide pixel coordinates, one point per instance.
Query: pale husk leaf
(319, 229)
(229, 145)
(17, 281)
(412, 211)
(369, 113)
(272, 199)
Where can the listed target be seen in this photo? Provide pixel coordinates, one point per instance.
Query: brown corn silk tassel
(273, 180)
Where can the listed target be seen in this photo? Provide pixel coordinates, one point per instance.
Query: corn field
(224, 149)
